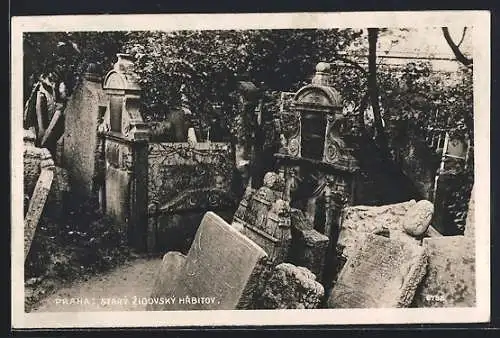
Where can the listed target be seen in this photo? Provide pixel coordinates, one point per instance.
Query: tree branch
(352, 63)
(463, 36)
(455, 48)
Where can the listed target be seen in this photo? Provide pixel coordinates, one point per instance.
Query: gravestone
(82, 117)
(37, 201)
(382, 273)
(356, 220)
(222, 271)
(418, 218)
(166, 279)
(450, 278)
(264, 217)
(309, 250)
(291, 287)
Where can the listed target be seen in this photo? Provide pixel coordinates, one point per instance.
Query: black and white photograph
(332, 165)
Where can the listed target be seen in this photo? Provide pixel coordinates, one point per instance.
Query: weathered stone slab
(36, 206)
(404, 237)
(264, 217)
(450, 278)
(382, 273)
(309, 250)
(222, 269)
(163, 290)
(374, 218)
(291, 287)
(470, 223)
(360, 219)
(418, 218)
(83, 112)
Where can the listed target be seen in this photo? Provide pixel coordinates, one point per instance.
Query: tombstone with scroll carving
(315, 158)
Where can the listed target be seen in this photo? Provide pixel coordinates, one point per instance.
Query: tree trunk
(381, 137)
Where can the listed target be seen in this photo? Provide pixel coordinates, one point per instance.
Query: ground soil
(114, 290)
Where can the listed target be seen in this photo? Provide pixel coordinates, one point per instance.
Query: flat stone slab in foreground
(381, 273)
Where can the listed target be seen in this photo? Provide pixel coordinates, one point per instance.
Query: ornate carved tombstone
(264, 217)
(314, 152)
(125, 152)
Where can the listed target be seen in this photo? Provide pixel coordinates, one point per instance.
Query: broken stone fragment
(361, 219)
(418, 218)
(291, 287)
(373, 218)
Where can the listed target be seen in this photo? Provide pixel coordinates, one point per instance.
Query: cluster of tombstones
(270, 257)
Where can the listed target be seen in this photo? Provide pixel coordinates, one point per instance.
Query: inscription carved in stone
(382, 273)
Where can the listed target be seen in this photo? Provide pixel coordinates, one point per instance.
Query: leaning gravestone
(165, 282)
(382, 273)
(37, 201)
(222, 271)
(450, 279)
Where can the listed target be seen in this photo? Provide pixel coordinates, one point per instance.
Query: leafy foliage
(208, 64)
(68, 53)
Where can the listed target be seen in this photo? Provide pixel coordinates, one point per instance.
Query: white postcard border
(479, 20)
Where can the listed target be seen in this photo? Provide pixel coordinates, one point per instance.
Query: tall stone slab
(83, 113)
(382, 273)
(126, 136)
(37, 201)
(450, 278)
(223, 269)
